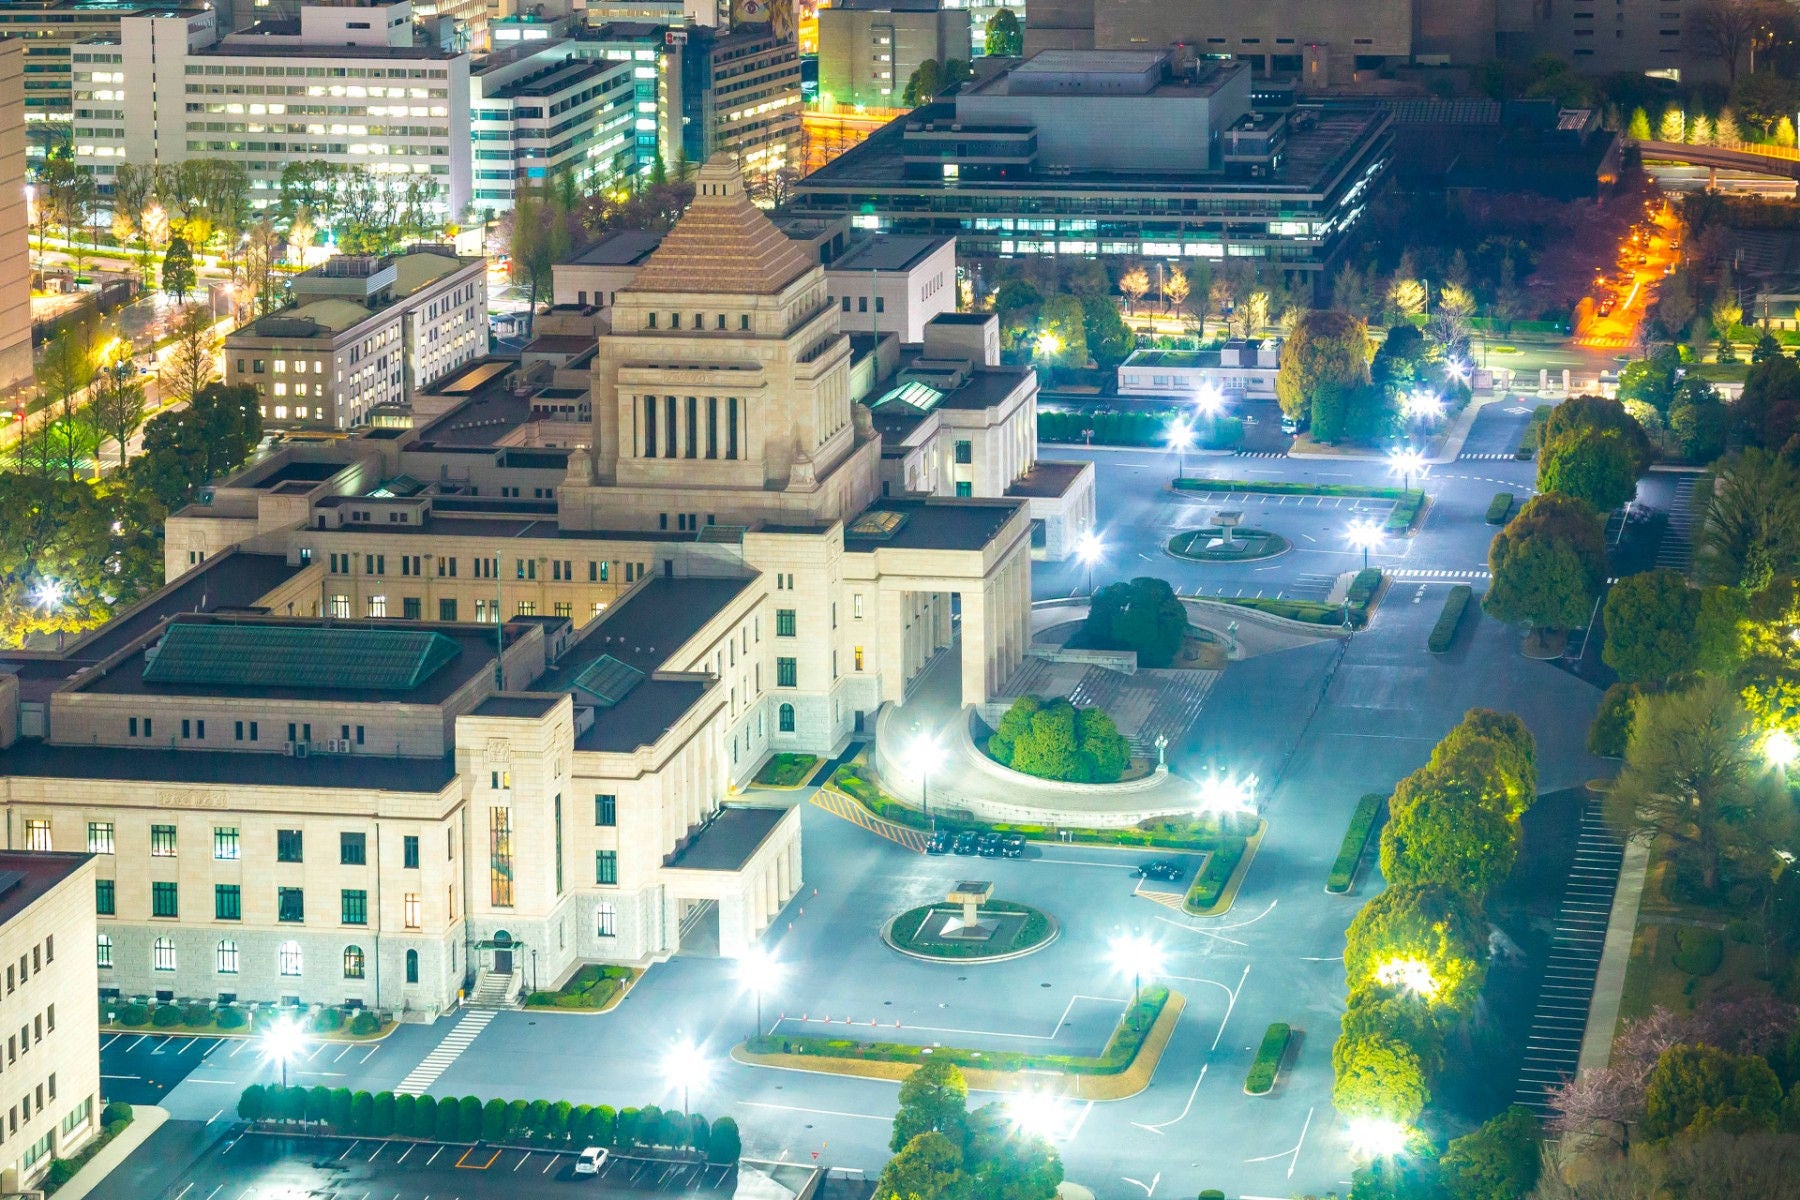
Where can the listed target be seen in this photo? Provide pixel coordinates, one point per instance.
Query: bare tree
(1728, 29)
(190, 365)
(118, 403)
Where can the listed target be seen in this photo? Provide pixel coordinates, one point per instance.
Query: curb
(618, 999)
(146, 1119)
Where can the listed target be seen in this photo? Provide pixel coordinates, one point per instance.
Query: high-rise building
(15, 249)
(869, 49)
(540, 110)
(356, 86)
(741, 98)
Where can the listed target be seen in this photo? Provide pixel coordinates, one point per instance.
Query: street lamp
(1138, 956)
(686, 1066)
(930, 756)
(282, 1041)
(48, 593)
(1088, 550)
(1181, 440)
(758, 971)
(1363, 534)
(1407, 463)
(1780, 749)
(1408, 975)
(1377, 1137)
(1422, 406)
(1048, 344)
(1224, 794)
(1208, 401)
(1036, 1114)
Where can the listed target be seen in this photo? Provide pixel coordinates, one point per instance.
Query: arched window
(412, 966)
(353, 962)
(228, 957)
(288, 957)
(103, 950)
(162, 954)
(786, 718)
(606, 920)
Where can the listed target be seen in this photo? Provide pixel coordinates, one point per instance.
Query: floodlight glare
(1377, 1137)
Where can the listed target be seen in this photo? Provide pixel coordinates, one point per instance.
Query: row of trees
(942, 1151)
(541, 1122)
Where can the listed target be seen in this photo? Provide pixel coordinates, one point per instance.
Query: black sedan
(1164, 869)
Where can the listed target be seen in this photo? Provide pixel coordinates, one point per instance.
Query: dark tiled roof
(34, 759)
(728, 843)
(32, 875)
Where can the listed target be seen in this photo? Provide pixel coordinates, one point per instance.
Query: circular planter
(1024, 941)
(1248, 545)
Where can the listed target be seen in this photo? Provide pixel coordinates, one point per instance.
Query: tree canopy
(1055, 740)
(1324, 376)
(1750, 527)
(1430, 925)
(1702, 1089)
(1499, 1161)
(1447, 834)
(1144, 615)
(1005, 36)
(933, 1099)
(1650, 620)
(1548, 563)
(1377, 1077)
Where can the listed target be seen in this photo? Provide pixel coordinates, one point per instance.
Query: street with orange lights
(1625, 289)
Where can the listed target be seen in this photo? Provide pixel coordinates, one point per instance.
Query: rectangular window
(409, 852)
(290, 904)
(288, 845)
(557, 806)
(227, 902)
(355, 906)
(165, 901)
(787, 672)
(37, 833)
(353, 849)
(964, 488)
(225, 843)
(965, 452)
(104, 902)
(606, 866)
(103, 948)
(784, 622)
(409, 910)
(162, 841)
(100, 837)
(446, 610)
(500, 861)
(606, 809)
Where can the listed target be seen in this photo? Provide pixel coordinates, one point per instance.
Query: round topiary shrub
(231, 1017)
(196, 1016)
(328, 1020)
(1698, 951)
(135, 1014)
(166, 1016)
(115, 1112)
(365, 1023)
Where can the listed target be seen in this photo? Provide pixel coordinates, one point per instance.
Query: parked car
(965, 843)
(589, 1161)
(1012, 845)
(989, 845)
(1162, 868)
(938, 842)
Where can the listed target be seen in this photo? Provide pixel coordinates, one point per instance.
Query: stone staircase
(493, 991)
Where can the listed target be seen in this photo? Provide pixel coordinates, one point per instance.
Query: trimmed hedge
(1311, 612)
(1406, 511)
(1261, 1078)
(591, 987)
(554, 1125)
(1363, 823)
(1121, 1049)
(1698, 951)
(1443, 634)
(787, 770)
(1212, 879)
(1274, 487)
(1500, 508)
(1364, 587)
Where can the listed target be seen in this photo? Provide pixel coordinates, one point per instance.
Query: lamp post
(930, 756)
(1088, 550)
(686, 1067)
(1406, 463)
(1181, 440)
(282, 1041)
(758, 972)
(1135, 955)
(1363, 534)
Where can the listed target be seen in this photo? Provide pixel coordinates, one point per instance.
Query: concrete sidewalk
(1615, 959)
(146, 1119)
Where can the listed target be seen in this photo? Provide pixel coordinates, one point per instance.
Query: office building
(361, 333)
(445, 706)
(356, 86)
(869, 49)
(50, 1090)
(539, 110)
(654, 53)
(741, 98)
(1240, 369)
(15, 248)
(1068, 153)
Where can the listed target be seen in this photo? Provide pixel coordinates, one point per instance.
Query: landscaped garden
(1016, 928)
(1227, 544)
(787, 770)
(593, 988)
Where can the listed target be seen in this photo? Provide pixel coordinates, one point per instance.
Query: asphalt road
(1319, 725)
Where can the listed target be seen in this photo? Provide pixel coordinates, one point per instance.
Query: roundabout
(1227, 544)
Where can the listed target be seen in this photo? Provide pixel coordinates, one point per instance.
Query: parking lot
(266, 1167)
(142, 1066)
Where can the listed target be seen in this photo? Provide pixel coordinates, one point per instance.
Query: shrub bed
(787, 770)
(1698, 951)
(113, 1120)
(1356, 839)
(1364, 587)
(556, 1125)
(1121, 1049)
(201, 1018)
(1443, 634)
(1261, 1078)
(1406, 511)
(1312, 612)
(592, 987)
(1500, 508)
(1210, 883)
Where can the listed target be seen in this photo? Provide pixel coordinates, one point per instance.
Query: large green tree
(540, 240)
(1650, 621)
(1109, 340)
(1005, 36)
(926, 81)
(1375, 1008)
(1693, 774)
(1767, 413)
(1144, 615)
(178, 277)
(1493, 752)
(933, 1099)
(1499, 1161)
(927, 1167)
(1595, 465)
(1324, 368)
(1548, 564)
(1062, 332)
(1055, 740)
(1750, 527)
(59, 557)
(1449, 836)
(1429, 925)
(1377, 1077)
(1702, 1089)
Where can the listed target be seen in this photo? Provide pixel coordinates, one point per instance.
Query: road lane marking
(379, 1147)
(469, 1166)
(402, 1157)
(817, 1112)
(347, 1150)
(522, 1161)
(136, 1077)
(184, 1191)
(434, 1156)
(551, 1163)
(344, 1051)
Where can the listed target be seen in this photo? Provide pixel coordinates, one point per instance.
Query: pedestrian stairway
(1553, 1046)
(421, 1077)
(840, 805)
(1676, 550)
(1146, 705)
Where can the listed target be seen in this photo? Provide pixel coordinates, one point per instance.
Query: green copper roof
(608, 680)
(921, 397)
(376, 660)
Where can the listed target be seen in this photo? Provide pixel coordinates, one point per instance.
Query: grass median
(1356, 839)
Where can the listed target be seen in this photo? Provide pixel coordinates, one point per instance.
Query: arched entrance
(503, 954)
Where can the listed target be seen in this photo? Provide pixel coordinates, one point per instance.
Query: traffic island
(1225, 541)
(971, 926)
(1123, 1070)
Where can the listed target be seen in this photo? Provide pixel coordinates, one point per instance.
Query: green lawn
(591, 988)
(787, 770)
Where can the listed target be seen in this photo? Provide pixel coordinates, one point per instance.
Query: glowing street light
(1780, 749)
(1181, 440)
(1037, 1114)
(1408, 975)
(1089, 549)
(1377, 1137)
(1221, 795)
(283, 1041)
(686, 1066)
(1422, 406)
(759, 971)
(1135, 955)
(1208, 401)
(930, 756)
(48, 593)
(1406, 464)
(1048, 344)
(1362, 535)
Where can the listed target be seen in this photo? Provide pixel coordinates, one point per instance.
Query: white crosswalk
(1262, 454)
(445, 1052)
(1428, 574)
(1485, 458)
(1676, 550)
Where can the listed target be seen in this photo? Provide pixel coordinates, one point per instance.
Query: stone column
(977, 647)
(890, 625)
